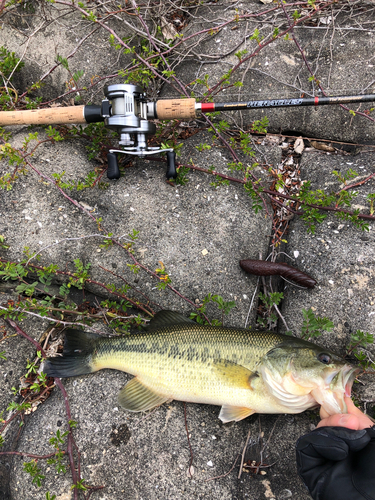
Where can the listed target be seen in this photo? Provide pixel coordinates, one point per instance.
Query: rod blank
(168, 109)
(279, 103)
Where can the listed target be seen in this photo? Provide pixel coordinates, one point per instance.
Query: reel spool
(126, 110)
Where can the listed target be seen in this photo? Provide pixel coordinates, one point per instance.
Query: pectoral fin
(234, 413)
(137, 397)
(233, 374)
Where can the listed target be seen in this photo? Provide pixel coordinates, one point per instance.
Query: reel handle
(171, 165)
(113, 172)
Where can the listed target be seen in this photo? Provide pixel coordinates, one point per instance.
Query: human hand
(336, 460)
(353, 419)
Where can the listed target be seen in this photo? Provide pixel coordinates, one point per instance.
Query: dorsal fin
(168, 318)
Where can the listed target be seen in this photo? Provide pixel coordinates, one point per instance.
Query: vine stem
(114, 241)
(30, 455)
(165, 51)
(19, 330)
(70, 435)
(67, 406)
(88, 280)
(52, 181)
(10, 420)
(128, 284)
(227, 473)
(118, 39)
(291, 26)
(355, 184)
(263, 45)
(243, 454)
(184, 91)
(54, 320)
(152, 273)
(281, 195)
(236, 158)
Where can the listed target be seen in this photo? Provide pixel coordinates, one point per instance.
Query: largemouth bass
(243, 371)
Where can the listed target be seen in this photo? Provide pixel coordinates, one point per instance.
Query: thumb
(341, 420)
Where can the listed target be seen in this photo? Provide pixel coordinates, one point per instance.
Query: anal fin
(234, 413)
(135, 396)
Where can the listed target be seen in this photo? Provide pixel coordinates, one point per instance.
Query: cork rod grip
(48, 116)
(180, 109)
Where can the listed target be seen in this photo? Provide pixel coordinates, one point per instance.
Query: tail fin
(77, 355)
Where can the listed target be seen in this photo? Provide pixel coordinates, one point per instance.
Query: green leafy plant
(313, 326)
(26, 288)
(9, 64)
(182, 178)
(224, 306)
(358, 346)
(203, 147)
(34, 471)
(254, 190)
(2, 243)
(101, 138)
(260, 126)
(163, 277)
(371, 199)
(256, 36)
(296, 15)
(268, 301)
(315, 201)
(58, 441)
(32, 366)
(81, 275)
(241, 53)
(73, 77)
(80, 485)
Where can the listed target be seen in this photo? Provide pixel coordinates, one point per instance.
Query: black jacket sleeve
(337, 463)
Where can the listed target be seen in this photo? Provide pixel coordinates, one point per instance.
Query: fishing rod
(127, 110)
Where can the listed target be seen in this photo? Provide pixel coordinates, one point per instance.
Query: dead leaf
(168, 30)
(299, 145)
(322, 146)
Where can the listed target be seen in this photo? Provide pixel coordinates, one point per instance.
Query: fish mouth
(337, 385)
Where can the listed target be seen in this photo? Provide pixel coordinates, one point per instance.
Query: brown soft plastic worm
(264, 268)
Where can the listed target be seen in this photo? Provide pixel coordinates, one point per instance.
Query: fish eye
(324, 358)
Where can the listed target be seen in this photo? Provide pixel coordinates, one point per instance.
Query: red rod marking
(207, 107)
(316, 102)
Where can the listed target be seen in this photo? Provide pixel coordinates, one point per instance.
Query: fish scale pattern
(243, 371)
